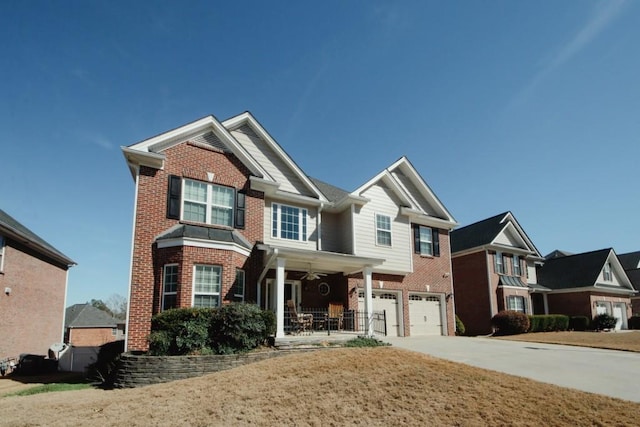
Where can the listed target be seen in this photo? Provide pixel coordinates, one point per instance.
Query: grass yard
(333, 387)
(628, 340)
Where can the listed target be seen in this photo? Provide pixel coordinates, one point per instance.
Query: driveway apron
(607, 372)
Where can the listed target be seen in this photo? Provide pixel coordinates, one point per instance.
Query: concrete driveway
(608, 372)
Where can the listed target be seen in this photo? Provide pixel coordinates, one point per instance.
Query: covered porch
(310, 291)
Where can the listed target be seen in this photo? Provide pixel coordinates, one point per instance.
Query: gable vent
(209, 139)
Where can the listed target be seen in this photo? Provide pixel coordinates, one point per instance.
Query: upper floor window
(383, 230)
(426, 240)
(499, 265)
(289, 222)
(607, 272)
(1, 253)
(516, 303)
(207, 203)
(517, 271)
(170, 287)
(238, 285)
(207, 280)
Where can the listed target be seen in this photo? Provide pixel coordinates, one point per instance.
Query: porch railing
(351, 321)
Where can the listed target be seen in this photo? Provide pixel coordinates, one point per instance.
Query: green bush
(237, 328)
(180, 331)
(548, 322)
(269, 318)
(604, 321)
(634, 322)
(104, 369)
(460, 330)
(510, 322)
(365, 342)
(578, 323)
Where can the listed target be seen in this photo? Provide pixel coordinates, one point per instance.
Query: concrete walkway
(608, 372)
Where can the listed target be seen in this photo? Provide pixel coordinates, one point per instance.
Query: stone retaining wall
(141, 370)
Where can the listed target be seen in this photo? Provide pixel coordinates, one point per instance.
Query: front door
(292, 291)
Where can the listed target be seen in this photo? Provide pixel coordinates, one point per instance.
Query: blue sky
(532, 107)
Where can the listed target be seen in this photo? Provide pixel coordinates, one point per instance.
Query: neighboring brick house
(33, 282)
(88, 326)
(494, 269)
(223, 214)
(587, 284)
(631, 264)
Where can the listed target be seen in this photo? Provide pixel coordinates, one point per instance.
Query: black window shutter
(416, 239)
(436, 241)
(240, 209)
(173, 197)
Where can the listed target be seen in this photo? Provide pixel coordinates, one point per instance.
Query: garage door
(425, 315)
(387, 301)
(620, 315)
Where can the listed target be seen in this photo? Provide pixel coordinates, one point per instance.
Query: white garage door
(389, 302)
(620, 315)
(425, 315)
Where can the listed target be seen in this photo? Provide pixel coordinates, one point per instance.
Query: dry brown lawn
(333, 387)
(628, 340)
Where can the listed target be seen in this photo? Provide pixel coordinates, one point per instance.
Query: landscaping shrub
(460, 330)
(548, 322)
(180, 331)
(510, 322)
(269, 318)
(237, 328)
(603, 321)
(634, 322)
(103, 370)
(365, 342)
(578, 323)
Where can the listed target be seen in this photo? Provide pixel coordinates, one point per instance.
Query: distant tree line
(115, 305)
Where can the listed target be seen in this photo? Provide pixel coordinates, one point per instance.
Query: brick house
(587, 284)
(494, 269)
(222, 214)
(88, 326)
(631, 264)
(33, 282)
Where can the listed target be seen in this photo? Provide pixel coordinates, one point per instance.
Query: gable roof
(630, 260)
(11, 228)
(419, 202)
(557, 254)
(88, 316)
(580, 270)
(484, 233)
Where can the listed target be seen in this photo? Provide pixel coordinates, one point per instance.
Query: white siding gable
(508, 238)
(271, 161)
(312, 227)
(383, 202)
(412, 191)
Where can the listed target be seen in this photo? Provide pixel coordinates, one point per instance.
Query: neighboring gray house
(88, 326)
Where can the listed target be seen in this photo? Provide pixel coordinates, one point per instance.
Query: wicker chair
(300, 322)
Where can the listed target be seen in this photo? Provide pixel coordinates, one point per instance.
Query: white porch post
(546, 303)
(368, 299)
(280, 263)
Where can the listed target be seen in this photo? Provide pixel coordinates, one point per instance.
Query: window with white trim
(499, 263)
(383, 230)
(426, 240)
(516, 303)
(170, 287)
(207, 280)
(517, 271)
(288, 222)
(207, 203)
(1, 253)
(606, 272)
(238, 285)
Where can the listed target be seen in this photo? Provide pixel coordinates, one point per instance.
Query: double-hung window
(426, 240)
(207, 203)
(238, 285)
(606, 272)
(516, 303)
(207, 280)
(288, 222)
(499, 263)
(383, 230)
(170, 286)
(517, 271)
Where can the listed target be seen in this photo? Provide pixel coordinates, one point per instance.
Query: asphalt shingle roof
(331, 192)
(573, 271)
(11, 225)
(205, 233)
(86, 316)
(476, 234)
(630, 260)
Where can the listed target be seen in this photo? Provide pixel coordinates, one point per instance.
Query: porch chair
(300, 322)
(336, 313)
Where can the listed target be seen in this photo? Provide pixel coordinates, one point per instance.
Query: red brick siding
(32, 316)
(193, 162)
(434, 272)
(473, 301)
(90, 337)
(582, 303)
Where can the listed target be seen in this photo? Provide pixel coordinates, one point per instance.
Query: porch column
(546, 303)
(280, 263)
(368, 299)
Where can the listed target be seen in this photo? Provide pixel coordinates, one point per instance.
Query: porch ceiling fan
(312, 275)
